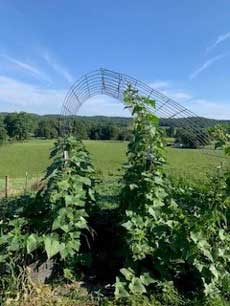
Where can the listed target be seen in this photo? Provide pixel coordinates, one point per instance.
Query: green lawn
(193, 164)
(19, 158)
(33, 157)
(108, 156)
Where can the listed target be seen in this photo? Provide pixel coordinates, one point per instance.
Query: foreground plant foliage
(221, 136)
(181, 244)
(172, 239)
(53, 223)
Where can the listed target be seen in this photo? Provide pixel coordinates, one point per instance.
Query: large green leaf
(136, 286)
(120, 289)
(32, 243)
(146, 279)
(52, 246)
(128, 273)
(84, 180)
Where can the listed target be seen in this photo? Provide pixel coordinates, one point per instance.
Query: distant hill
(125, 121)
(200, 121)
(16, 126)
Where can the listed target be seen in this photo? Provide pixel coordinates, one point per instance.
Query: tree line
(23, 126)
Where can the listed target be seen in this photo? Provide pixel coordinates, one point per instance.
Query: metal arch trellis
(107, 82)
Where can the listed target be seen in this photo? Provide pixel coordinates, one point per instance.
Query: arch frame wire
(107, 82)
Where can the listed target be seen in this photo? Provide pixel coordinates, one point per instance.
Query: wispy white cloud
(19, 96)
(220, 39)
(201, 107)
(106, 106)
(177, 95)
(207, 64)
(32, 70)
(166, 88)
(159, 85)
(60, 69)
(210, 109)
(102, 105)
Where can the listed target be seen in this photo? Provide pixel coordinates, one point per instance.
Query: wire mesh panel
(110, 83)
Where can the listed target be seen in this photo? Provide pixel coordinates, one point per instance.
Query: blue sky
(181, 48)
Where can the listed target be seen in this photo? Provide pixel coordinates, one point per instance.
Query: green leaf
(221, 235)
(69, 199)
(146, 279)
(57, 223)
(212, 268)
(195, 236)
(198, 265)
(149, 101)
(32, 243)
(92, 194)
(74, 244)
(133, 186)
(128, 273)
(152, 212)
(65, 228)
(205, 248)
(63, 185)
(81, 224)
(68, 274)
(16, 244)
(128, 225)
(61, 223)
(136, 286)
(84, 180)
(52, 246)
(210, 289)
(220, 252)
(120, 289)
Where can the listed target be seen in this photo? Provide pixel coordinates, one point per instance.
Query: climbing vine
(53, 224)
(221, 136)
(168, 243)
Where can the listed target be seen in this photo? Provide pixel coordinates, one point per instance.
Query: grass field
(195, 164)
(33, 157)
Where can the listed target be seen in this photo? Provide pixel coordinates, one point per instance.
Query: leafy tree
(171, 131)
(189, 139)
(3, 132)
(48, 129)
(104, 132)
(18, 125)
(79, 129)
(104, 128)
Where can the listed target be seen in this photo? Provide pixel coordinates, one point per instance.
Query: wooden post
(7, 180)
(66, 155)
